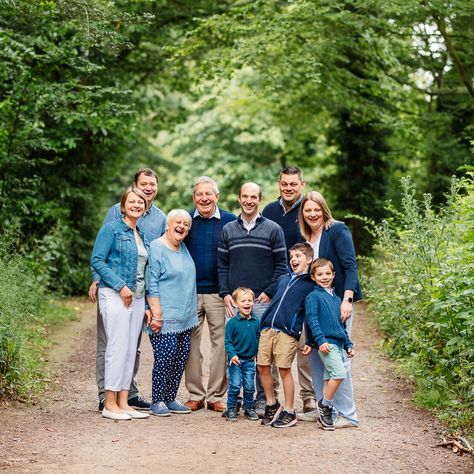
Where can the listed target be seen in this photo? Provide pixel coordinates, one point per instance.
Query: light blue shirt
(172, 278)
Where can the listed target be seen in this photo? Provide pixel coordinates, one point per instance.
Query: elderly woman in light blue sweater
(172, 299)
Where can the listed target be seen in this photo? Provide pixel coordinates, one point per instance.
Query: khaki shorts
(277, 347)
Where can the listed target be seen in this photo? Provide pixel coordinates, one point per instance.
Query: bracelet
(157, 320)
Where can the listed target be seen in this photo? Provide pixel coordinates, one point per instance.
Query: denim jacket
(115, 255)
(152, 223)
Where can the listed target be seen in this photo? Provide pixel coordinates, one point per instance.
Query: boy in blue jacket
(327, 331)
(281, 326)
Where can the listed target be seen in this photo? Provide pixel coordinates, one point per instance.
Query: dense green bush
(421, 290)
(25, 316)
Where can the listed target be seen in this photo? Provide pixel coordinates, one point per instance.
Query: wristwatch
(349, 299)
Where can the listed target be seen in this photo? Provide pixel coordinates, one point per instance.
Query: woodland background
(359, 94)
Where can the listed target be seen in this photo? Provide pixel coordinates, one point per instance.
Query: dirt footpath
(65, 433)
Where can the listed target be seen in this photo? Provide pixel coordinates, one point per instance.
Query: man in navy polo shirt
(284, 211)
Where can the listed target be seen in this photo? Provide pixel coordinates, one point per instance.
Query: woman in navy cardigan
(332, 240)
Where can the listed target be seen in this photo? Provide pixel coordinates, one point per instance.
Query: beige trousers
(211, 308)
(304, 371)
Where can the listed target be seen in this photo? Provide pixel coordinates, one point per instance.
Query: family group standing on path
(164, 275)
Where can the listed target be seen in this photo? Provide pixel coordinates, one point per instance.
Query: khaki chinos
(210, 307)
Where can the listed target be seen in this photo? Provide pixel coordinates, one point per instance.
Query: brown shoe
(195, 405)
(309, 405)
(216, 406)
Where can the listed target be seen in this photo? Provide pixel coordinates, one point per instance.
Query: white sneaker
(308, 416)
(112, 415)
(136, 414)
(341, 422)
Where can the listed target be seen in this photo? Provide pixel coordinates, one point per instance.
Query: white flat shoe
(137, 414)
(112, 415)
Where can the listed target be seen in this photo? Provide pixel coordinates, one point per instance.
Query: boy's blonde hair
(241, 289)
(321, 262)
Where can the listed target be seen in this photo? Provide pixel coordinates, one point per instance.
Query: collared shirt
(295, 204)
(248, 226)
(217, 214)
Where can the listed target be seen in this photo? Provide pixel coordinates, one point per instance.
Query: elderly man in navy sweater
(201, 241)
(284, 211)
(251, 253)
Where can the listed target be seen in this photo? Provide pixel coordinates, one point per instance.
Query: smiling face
(323, 276)
(148, 185)
(134, 206)
(249, 200)
(178, 228)
(299, 262)
(313, 215)
(291, 188)
(205, 199)
(244, 302)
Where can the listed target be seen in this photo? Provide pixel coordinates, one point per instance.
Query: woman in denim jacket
(172, 297)
(119, 257)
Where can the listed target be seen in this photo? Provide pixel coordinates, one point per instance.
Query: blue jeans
(241, 375)
(343, 402)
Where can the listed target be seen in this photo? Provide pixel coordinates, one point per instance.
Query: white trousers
(122, 326)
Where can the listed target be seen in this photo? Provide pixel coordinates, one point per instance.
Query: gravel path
(65, 433)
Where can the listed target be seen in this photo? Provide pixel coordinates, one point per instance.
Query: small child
(241, 343)
(281, 327)
(323, 316)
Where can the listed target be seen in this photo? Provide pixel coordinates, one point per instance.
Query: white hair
(174, 213)
(207, 180)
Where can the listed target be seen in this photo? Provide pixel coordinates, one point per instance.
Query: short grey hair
(206, 180)
(174, 213)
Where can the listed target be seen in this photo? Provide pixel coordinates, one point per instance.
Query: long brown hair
(318, 198)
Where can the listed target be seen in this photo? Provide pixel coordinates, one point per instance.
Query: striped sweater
(252, 259)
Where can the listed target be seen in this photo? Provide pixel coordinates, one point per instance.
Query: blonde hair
(318, 198)
(242, 290)
(136, 191)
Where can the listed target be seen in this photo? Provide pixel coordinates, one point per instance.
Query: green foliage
(62, 121)
(25, 316)
(421, 290)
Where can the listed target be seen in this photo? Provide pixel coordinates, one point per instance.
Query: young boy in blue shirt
(281, 327)
(327, 331)
(242, 333)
